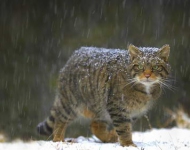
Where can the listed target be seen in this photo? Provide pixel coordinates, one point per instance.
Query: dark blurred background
(38, 36)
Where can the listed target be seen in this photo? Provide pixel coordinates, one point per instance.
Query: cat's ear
(164, 52)
(133, 51)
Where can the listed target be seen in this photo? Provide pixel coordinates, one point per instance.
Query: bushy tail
(46, 127)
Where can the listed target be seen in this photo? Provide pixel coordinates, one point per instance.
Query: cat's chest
(140, 109)
(147, 91)
(139, 102)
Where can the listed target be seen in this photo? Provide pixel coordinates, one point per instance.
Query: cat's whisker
(132, 82)
(170, 80)
(167, 85)
(163, 89)
(171, 86)
(133, 85)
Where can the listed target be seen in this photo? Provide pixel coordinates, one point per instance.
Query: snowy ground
(164, 139)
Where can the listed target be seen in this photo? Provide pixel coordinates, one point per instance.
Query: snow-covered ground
(163, 139)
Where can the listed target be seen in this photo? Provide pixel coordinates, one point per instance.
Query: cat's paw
(58, 139)
(127, 144)
(71, 140)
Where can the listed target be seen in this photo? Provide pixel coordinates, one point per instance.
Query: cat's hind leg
(64, 114)
(101, 130)
(59, 131)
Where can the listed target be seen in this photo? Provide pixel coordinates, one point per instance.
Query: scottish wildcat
(109, 86)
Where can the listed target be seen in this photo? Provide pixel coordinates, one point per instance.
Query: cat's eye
(140, 67)
(156, 67)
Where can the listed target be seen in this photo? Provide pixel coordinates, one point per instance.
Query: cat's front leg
(124, 131)
(123, 126)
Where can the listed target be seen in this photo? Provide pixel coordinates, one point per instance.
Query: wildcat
(112, 87)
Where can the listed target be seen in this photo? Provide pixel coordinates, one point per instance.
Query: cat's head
(149, 65)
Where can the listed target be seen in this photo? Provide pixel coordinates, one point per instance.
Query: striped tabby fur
(112, 87)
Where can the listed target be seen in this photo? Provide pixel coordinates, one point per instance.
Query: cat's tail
(46, 127)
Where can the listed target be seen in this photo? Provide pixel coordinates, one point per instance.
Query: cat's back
(95, 58)
(100, 53)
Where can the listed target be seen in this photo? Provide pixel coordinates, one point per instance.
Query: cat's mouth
(147, 80)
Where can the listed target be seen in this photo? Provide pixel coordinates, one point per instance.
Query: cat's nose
(147, 75)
